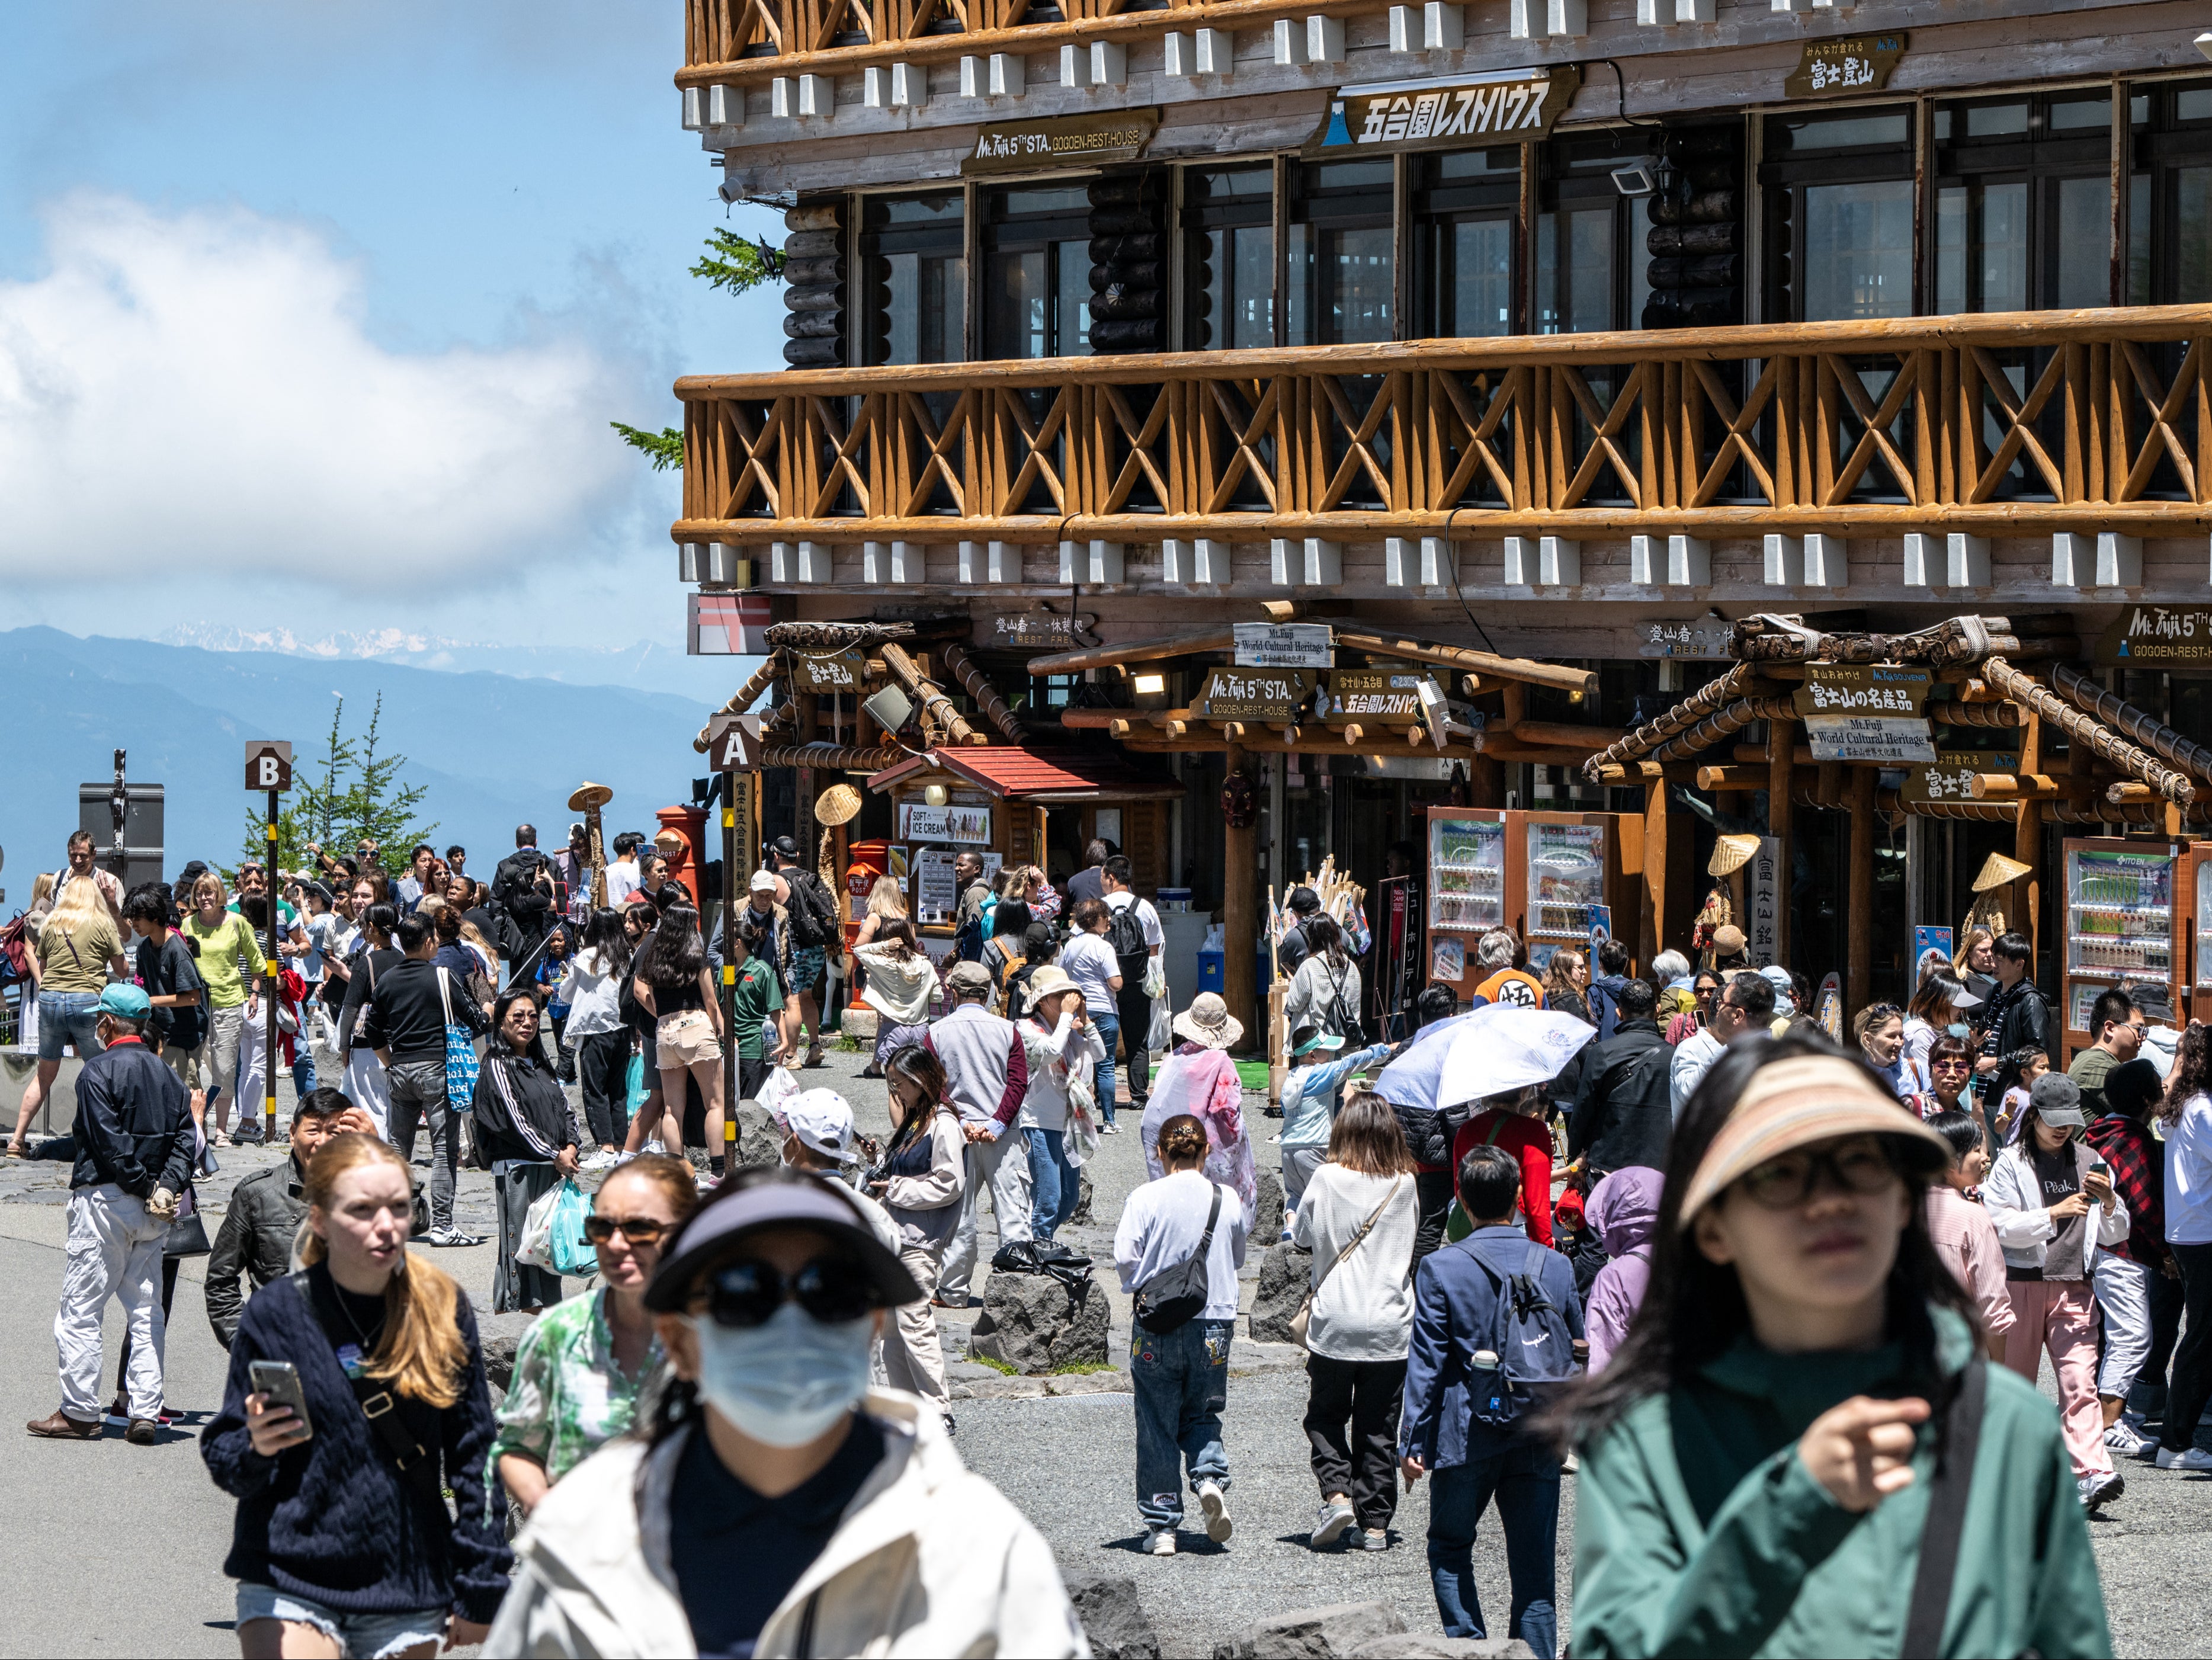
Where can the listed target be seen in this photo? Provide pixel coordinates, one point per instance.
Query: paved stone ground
(82, 1518)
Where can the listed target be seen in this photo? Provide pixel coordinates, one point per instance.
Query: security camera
(1635, 179)
(2204, 43)
(729, 192)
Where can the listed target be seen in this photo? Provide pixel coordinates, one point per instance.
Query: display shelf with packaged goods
(2123, 925)
(1469, 890)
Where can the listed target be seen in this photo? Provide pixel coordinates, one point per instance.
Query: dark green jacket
(1698, 1531)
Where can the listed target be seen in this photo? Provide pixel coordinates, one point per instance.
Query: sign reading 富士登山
(1517, 103)
(1856, 63)
(834, 671)
(1950, 777)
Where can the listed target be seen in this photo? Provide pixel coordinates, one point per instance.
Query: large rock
(1082, 1211)
(860, 1024)
(498, 1335)
(1285, 1272)
(760, 1140)
(1422, 1645)
(1335, 1633)
(1113, 1619)
(1268, 1219)
(1032, 1322)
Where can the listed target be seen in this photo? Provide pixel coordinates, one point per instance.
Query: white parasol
(1492, 1050)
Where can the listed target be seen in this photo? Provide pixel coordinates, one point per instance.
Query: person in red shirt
(1518, 1127)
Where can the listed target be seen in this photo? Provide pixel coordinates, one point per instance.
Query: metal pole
(269, 972)
(729, 971)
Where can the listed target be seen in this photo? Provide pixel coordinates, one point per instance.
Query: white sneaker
(601, 1160)
(2190, 1458)
(1330, 1526)
(2122, 1439)
(1159, 1541)
(1218, 1527)
(656, 1147)
(2096, 1490)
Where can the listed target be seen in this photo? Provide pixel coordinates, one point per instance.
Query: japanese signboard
(268, 764)
(1764, 879)
(964, 827)
(1950, 777)
(1253, 695)
(1856, 63)
(1038, 630)
(1702, 636)
(1282, 645)
(1019, 146)
(1403, 114)
(1861, 689)
(2159, 636)
(1373, 694)
(833, 671)
(1895, 739)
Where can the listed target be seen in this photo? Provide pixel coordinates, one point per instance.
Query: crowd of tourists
(1779, 1305)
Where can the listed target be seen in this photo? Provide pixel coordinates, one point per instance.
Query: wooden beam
(2032, 787)
(1557, 675)
(1560, 735)
(1782, 753)
(1858, 972)
(1725, 778)
(1133, 651)
(934, 703)
(1240, 918)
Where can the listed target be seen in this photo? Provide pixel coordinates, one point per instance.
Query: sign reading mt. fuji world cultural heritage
(1503, 103)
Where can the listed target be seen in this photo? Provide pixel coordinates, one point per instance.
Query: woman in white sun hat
(1200, 1078)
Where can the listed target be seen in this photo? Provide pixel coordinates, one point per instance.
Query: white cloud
(195, 392)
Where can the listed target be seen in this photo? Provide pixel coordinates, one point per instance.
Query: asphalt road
(119, 1548)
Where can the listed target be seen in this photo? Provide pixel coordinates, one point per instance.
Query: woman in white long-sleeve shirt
(1063, 1049)
(1325, 991)
(591, 989)
(1358, 1218)
(923, 1173)
(1181, 1375)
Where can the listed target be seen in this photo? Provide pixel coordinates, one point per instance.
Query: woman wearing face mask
(2051, 1199)
(578, 1371)
(343, 1543)
(1758, 1461)
(859, 1529)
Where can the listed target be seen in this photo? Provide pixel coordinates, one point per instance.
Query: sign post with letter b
(269, 768)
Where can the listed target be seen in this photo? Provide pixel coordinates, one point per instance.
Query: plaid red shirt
(2139, 1178)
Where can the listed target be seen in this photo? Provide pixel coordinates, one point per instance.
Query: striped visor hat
(1796, 1103)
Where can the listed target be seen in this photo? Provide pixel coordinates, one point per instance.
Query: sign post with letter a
(733, 751)
(269, 768)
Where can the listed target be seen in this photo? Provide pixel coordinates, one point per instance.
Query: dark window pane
(1015, 306)
(1858, 250)
(1996, 120)
(1341, 284)
(1478, 282)
(2193, 235)
(1847, 132)
(2084, 232)
(2078, 114)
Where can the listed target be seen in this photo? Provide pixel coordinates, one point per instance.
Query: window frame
(869, 246)
(1786, 175)
(999, 233)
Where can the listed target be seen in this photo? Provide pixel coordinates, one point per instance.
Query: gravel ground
(1068, 1463)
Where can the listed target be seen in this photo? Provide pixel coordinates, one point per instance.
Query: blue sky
(315, 315)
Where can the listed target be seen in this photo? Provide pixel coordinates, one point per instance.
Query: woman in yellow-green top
(76, 947)
(228, 954)
(1760, 1459)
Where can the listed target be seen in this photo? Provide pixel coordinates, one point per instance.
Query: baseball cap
(968, 976)
(785, 848)
(763, 881)
(753, 1203)
(1304, 901)
(822, 1119)
(126, 1002)
(2057, 1099)
(1328, 1041)
(1798, 1101)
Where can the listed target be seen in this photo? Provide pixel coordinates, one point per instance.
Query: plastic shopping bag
(636, 1084)
(781, 1084)
(1080, 1137)
(571, 1252)
(1161, 1035)
(534, 1250)
(1156, 980)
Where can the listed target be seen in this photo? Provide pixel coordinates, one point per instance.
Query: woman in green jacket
(1759, 1461)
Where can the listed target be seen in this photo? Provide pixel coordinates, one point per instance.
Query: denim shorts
(359, 1636)
(68, 1017)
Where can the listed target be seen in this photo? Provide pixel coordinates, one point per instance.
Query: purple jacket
(1624, 1210)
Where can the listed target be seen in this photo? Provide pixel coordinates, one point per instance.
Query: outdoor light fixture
(890, 708)
(935, 795)
(1151, 685)
(1432, 711)
(2204, 43)
(1635, 179)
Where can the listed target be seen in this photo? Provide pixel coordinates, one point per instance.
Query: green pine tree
(336, 813)
(735, 266)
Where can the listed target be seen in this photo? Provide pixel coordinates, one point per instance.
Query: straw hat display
(1997, 871)
(838, 804)
(1731, 853)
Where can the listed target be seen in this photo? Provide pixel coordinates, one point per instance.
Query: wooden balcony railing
(2014, 423)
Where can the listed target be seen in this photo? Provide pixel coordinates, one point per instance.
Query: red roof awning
(1013, 771)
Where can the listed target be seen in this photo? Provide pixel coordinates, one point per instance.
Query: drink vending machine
(1466, 891)
(1542, 874)
(1575, 862)
(2127, 922)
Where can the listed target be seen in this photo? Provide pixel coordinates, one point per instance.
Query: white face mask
(788, 1380)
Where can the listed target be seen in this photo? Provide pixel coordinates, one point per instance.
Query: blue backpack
(1527, 1333)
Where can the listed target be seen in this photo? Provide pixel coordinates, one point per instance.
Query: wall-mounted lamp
(2204, 43)
(1635, 179)
(935, 795)
(1149, 690)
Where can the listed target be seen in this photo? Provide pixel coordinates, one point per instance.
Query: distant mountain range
(492, 749)
(642, 665)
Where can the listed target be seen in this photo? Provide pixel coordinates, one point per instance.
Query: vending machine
(2196, 894)
(1468, 887)
(1571, 864)
(2126, 923)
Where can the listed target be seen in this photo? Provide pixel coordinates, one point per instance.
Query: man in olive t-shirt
(2118, 1023)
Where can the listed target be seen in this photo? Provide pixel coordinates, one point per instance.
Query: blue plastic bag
(636, 1084)
(571, 1254)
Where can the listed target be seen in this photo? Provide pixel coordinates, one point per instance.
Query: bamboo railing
(2019, 422)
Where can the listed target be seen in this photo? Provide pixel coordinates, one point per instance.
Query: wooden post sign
(1866, 712)
(1282, 645)
(269, 769)
(833, 671)
(731, 745)
(1396, 115)
(268, 765)
(1253, 695)
(1950, 777)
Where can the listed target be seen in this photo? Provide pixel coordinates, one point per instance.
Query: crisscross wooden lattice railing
(2022, 422)
(726, 40)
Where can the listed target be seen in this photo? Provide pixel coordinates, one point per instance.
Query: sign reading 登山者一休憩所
(2158, 636)
(1400, 114)
(1703, 636)
(1861, 689)
(1038, 630)
(1253, 695)
(1856, 63)
(1018, 146)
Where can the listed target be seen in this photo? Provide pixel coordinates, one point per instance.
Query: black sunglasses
(834, 1290)
(638, 1229)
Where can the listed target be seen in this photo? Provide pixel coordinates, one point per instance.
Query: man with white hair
(1670, 970)
(1504, 984)
(987, 1076)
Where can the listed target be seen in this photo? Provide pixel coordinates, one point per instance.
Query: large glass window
(916, 285)
(1465, 205)
(1592, 262)
(1227, 222)
(2170, 215)
(1341, 266)
(2023, 204)
(1839, 195)
(1036, 261)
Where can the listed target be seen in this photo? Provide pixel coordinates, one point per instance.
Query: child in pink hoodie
(1623, 1209)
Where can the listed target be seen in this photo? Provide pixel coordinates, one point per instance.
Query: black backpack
(1176, 1296)
(810, 914)
(1125, 934)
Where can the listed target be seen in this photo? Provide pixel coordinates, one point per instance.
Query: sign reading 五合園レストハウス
(1253, 695)
(1282, 645)
(2158, 636)
(1856, 63)
(1515, 103)
(1019, 146)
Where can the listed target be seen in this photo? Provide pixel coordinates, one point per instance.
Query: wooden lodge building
(1492, 364)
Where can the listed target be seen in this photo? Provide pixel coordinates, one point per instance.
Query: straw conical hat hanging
(1997, 871)
(1731, 853)
(838, 804)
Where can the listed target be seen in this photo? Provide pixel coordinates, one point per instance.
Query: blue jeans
(303, 1063)
(1109, 1033)
(1182, 1380)
(68, 1017)
(1054, 1187)
(1524, 1479)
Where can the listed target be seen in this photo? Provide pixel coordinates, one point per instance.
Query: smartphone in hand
(279, 1380)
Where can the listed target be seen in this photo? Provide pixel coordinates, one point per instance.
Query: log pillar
(1858, 942)
(1651, 923)
(1240, 920)
(2026, 910)
(1781, 739)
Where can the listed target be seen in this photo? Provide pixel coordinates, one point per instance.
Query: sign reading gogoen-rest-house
(1398, 115)
(1019, 146)
(1253, 695)
(2159, 636)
